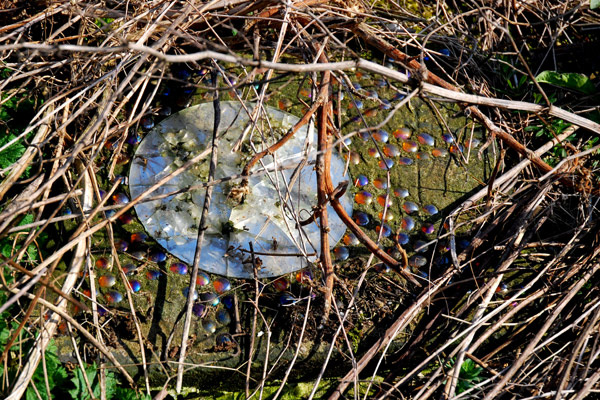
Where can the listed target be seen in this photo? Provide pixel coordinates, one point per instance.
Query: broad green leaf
(567, 80)
(594, 4)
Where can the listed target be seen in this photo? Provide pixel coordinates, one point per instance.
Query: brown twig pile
(520, 301)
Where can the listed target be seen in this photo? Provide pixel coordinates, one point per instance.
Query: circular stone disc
(266, 216)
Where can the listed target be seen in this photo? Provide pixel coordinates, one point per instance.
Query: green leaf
(567, 80)
(594, 4)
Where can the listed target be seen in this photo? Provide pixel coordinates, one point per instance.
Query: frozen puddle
(266, 217)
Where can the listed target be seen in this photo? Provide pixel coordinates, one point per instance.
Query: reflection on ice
(267, 215)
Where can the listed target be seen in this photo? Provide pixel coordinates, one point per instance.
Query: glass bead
(341, 253)
(410, 207)
(101, 263)
(446, 137)
(402, 238)
(147, 122)
(385, 104)
(422, 155)
(304, 276)
(407, 224)
(402, 134)
(210, 298)
(134, 139)
(228, 301)
(425, 138)
(420, 246)
(361, 218)
(386, 231)
(135, 285)
(113, 297)
(153, 274)
(126, 219)
(430, 209)
(199, 310)
(186, 290)
(380, 183)
(405, 161)
(138, 254)
(223, 317)
(350, 239)
(138, 237)
(437, 152)
(364, 198)
(381, 136)
(157, 256)
(286, 299)
(120, 198)
(391, 150)
(221, 285)
(361, 181)
(373, 152)
(386, 163)
(371, 112)
(400, 192)
(202, 279)
(129, 269)
(281, 284)
(383, 203)
(388, 216)
(121, 245)
(209, 326)
(107, 281)
(179, 268)
(381, 268)
(410, 146)
(417, 261)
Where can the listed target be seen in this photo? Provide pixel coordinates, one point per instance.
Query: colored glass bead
(101, 263)
(472, 143)
(126, 219)
(199, 310)
(402, 238)
(363, 198)
(445, 52)
(386, 231)
(439, 152)
(373, 152)
(430, 209)
(209, 326)
(417, 261)
(113, 297)
(179, 268)
(407, 224)
(381, 136)
(221, 285)
(388, 216)
(410, 207)
(361, 218)
(286, 299)
(223, 317)
(110, 213)
(446, 137)
(385, 104)
(164, 111)
(420, 246)
(120, 198)
(391, 151)
(356, 104)
(228, 301)
(281, 284)
(138, 237)
(381, 268)
(304, 276)
(410, 146)
(202, 279)
(402, 134)
(423, 156)
(135, 285)
(107, 280)
(305, 93)
(341, 253)
(186, 290)
(354, 157)
(386, 163)
(425, 138)
(147, 122)
(350, 239)
(157, 256)
(120, 179)
(405, 161)
(383, 203)
(129, 269)
(400, 192)
(380, 183)
(454, 149)
(134, 138)
(210, 298)
(398, 96)
(371, 112)
(361, 180)
(224, 341)
(138, 254)
(284, 104)
(356, 85)
(153, 274)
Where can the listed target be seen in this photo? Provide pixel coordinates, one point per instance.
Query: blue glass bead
(223, 317)
(417, 261)
(210, 298)
(147, 122)
(381, 268)
(157, 256)
(286, 299)
(403, 238)
(221, 285)
(135, 285)
(228, 301)
(361, 218)
(408, 224)
(430, 209)
(361, 180)
(410, 207)
(209, 326)
(186, 290)
(179, 268)
(445, 52)
(199, 310)
(341, 253)
(386, 163)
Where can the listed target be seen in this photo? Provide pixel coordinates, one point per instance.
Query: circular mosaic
(266, 216)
